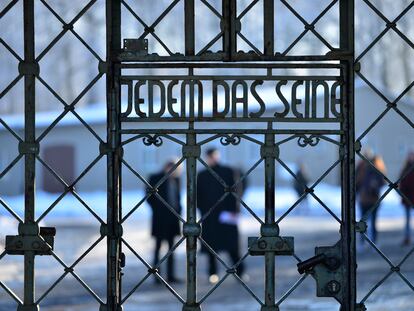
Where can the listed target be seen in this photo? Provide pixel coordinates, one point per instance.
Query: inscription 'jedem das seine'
(238, 99)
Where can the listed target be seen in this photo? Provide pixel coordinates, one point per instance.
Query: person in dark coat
(369, 182)
(220, 228)
(165, 225)
(407, 188)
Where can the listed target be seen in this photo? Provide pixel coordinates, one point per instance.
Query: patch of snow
(70, 207)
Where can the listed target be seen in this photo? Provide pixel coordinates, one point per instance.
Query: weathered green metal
(114, 157)
(348, 237)
(333, 279)
(191, 152)
(270, 183)
(29, 158)
(328, 269)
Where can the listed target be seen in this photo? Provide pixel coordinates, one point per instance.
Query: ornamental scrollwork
(226, 140)
(311, 140)
(155, 140)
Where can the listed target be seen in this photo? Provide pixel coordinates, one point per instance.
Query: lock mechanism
(327, 269)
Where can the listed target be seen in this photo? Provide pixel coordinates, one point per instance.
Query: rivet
(262, 244)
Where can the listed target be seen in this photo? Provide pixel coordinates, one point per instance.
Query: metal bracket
(195, 307)
(361, 226)
(102, 67)
(27, 68)
(327, 269)
(190, 151)
(136, 46)
(269, 151)
(118, 231)
(105, 307)
(28, 148)
(106, 148)
(40, 244)
(28, 308)
(190, 229)
(281, 246)
(358, 146)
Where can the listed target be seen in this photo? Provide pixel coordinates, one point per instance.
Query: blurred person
(407, 189)
(369, 182)
(165, 225)
(220, 228)
(300, 183)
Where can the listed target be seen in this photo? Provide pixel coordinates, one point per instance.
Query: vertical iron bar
(189, 12)
(269, 162)
(29, 227)
(348, 163)
(269, 27)
(114, 231)
(191, 242)
(229, 27)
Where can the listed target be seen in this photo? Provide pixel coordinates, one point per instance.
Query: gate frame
(114, 149)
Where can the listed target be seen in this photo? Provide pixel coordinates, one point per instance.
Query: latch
(326, 268)
(270, 241)
(138, 47)
(40, 244)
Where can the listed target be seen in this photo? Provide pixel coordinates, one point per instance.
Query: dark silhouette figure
(407, 189)
(220, 228)
(368, 185)
(165, 225)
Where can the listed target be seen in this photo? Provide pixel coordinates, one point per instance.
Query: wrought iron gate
(131, 66)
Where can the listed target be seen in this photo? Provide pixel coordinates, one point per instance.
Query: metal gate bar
(347, 37)
(114, 157)
(269, 154)
(191, 229)
(28, 69)
(29, 148)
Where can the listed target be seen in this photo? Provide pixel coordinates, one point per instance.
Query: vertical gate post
(230, 26)
(348, 164)
(189, 13)
(269, 27)
(191, 229)
(114, 154)
(29, 228)
(269, 162)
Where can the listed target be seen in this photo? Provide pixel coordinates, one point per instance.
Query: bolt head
(262, 244)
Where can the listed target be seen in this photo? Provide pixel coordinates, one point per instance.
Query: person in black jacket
(165, 225)
(220, 228)
(407, 189)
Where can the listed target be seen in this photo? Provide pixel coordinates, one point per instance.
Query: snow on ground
(70, 206)
(72, 239)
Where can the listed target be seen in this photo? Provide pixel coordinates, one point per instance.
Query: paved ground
(394, 294)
